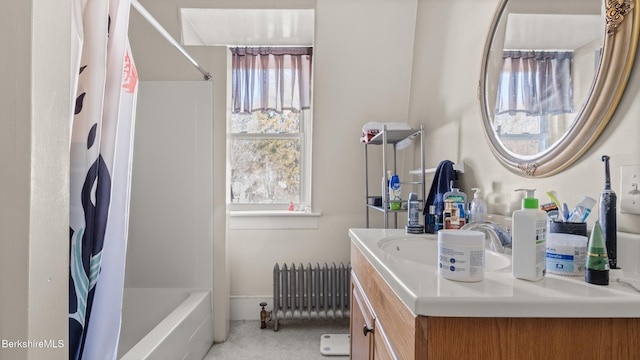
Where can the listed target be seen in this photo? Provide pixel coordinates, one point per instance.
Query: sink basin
(424, 249)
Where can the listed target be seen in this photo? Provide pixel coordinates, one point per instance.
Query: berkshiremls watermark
(32, 344)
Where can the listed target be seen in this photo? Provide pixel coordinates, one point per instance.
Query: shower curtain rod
(168, 36)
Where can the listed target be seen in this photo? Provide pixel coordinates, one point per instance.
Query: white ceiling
(247, 27)
(552, 31)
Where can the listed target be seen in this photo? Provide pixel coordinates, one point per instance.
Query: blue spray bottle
(607, 216)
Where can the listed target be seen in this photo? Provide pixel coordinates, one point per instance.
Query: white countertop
(499, 295)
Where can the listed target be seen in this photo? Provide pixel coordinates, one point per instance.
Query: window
(531, 134)
(270, 128)
(534, 105)
(268, 157)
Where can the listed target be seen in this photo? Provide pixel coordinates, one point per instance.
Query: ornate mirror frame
(618, 53)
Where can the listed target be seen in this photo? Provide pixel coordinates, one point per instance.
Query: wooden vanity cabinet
(368, 339)
(399, 334)
(393, 325)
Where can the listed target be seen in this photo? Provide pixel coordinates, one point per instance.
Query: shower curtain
(100, 151)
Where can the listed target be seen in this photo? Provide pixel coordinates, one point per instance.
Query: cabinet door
(361, 323)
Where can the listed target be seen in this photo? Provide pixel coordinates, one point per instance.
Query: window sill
(273, 219)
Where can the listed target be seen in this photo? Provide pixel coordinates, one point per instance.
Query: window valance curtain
(535, 83)
(271, 78)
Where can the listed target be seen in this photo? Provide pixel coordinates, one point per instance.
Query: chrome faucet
(499, 238)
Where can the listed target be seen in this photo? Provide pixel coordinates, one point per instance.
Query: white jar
(461, 255)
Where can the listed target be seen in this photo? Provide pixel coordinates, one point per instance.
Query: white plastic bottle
(477, 208)
(529, 226)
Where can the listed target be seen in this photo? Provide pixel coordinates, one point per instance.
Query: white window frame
(305, 137)
(276, 216)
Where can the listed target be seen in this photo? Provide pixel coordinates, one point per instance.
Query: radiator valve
(264, 316)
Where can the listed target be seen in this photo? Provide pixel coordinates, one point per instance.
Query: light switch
(630, 189)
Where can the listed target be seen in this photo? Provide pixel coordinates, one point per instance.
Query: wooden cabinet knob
(366, 330)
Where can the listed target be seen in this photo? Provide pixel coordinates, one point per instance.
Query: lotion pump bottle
(529, 226)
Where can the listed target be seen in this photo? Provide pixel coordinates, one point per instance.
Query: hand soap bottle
(529, 226)
(477, 208)
(458, 200)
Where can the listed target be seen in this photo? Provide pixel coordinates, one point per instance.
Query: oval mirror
(553, 72)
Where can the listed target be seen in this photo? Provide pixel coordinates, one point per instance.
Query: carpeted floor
(294, 340)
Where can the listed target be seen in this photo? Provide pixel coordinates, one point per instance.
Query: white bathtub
(165, 324)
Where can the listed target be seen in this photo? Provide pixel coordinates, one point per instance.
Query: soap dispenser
(529, 226)
(477, 208)
(459, 201)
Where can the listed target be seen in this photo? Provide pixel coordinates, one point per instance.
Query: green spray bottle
(597, 266)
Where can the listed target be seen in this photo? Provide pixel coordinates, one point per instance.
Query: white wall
(15, 154)
(34, 193)
(170, 224)
(445, 77)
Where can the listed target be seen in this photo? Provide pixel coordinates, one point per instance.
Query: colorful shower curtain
(101, 150)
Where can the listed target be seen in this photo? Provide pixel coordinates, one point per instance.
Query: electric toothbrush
(607, 215)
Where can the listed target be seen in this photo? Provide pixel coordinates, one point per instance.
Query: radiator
(311, 292)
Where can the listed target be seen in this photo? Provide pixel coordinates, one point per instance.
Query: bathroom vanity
(402, 308)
